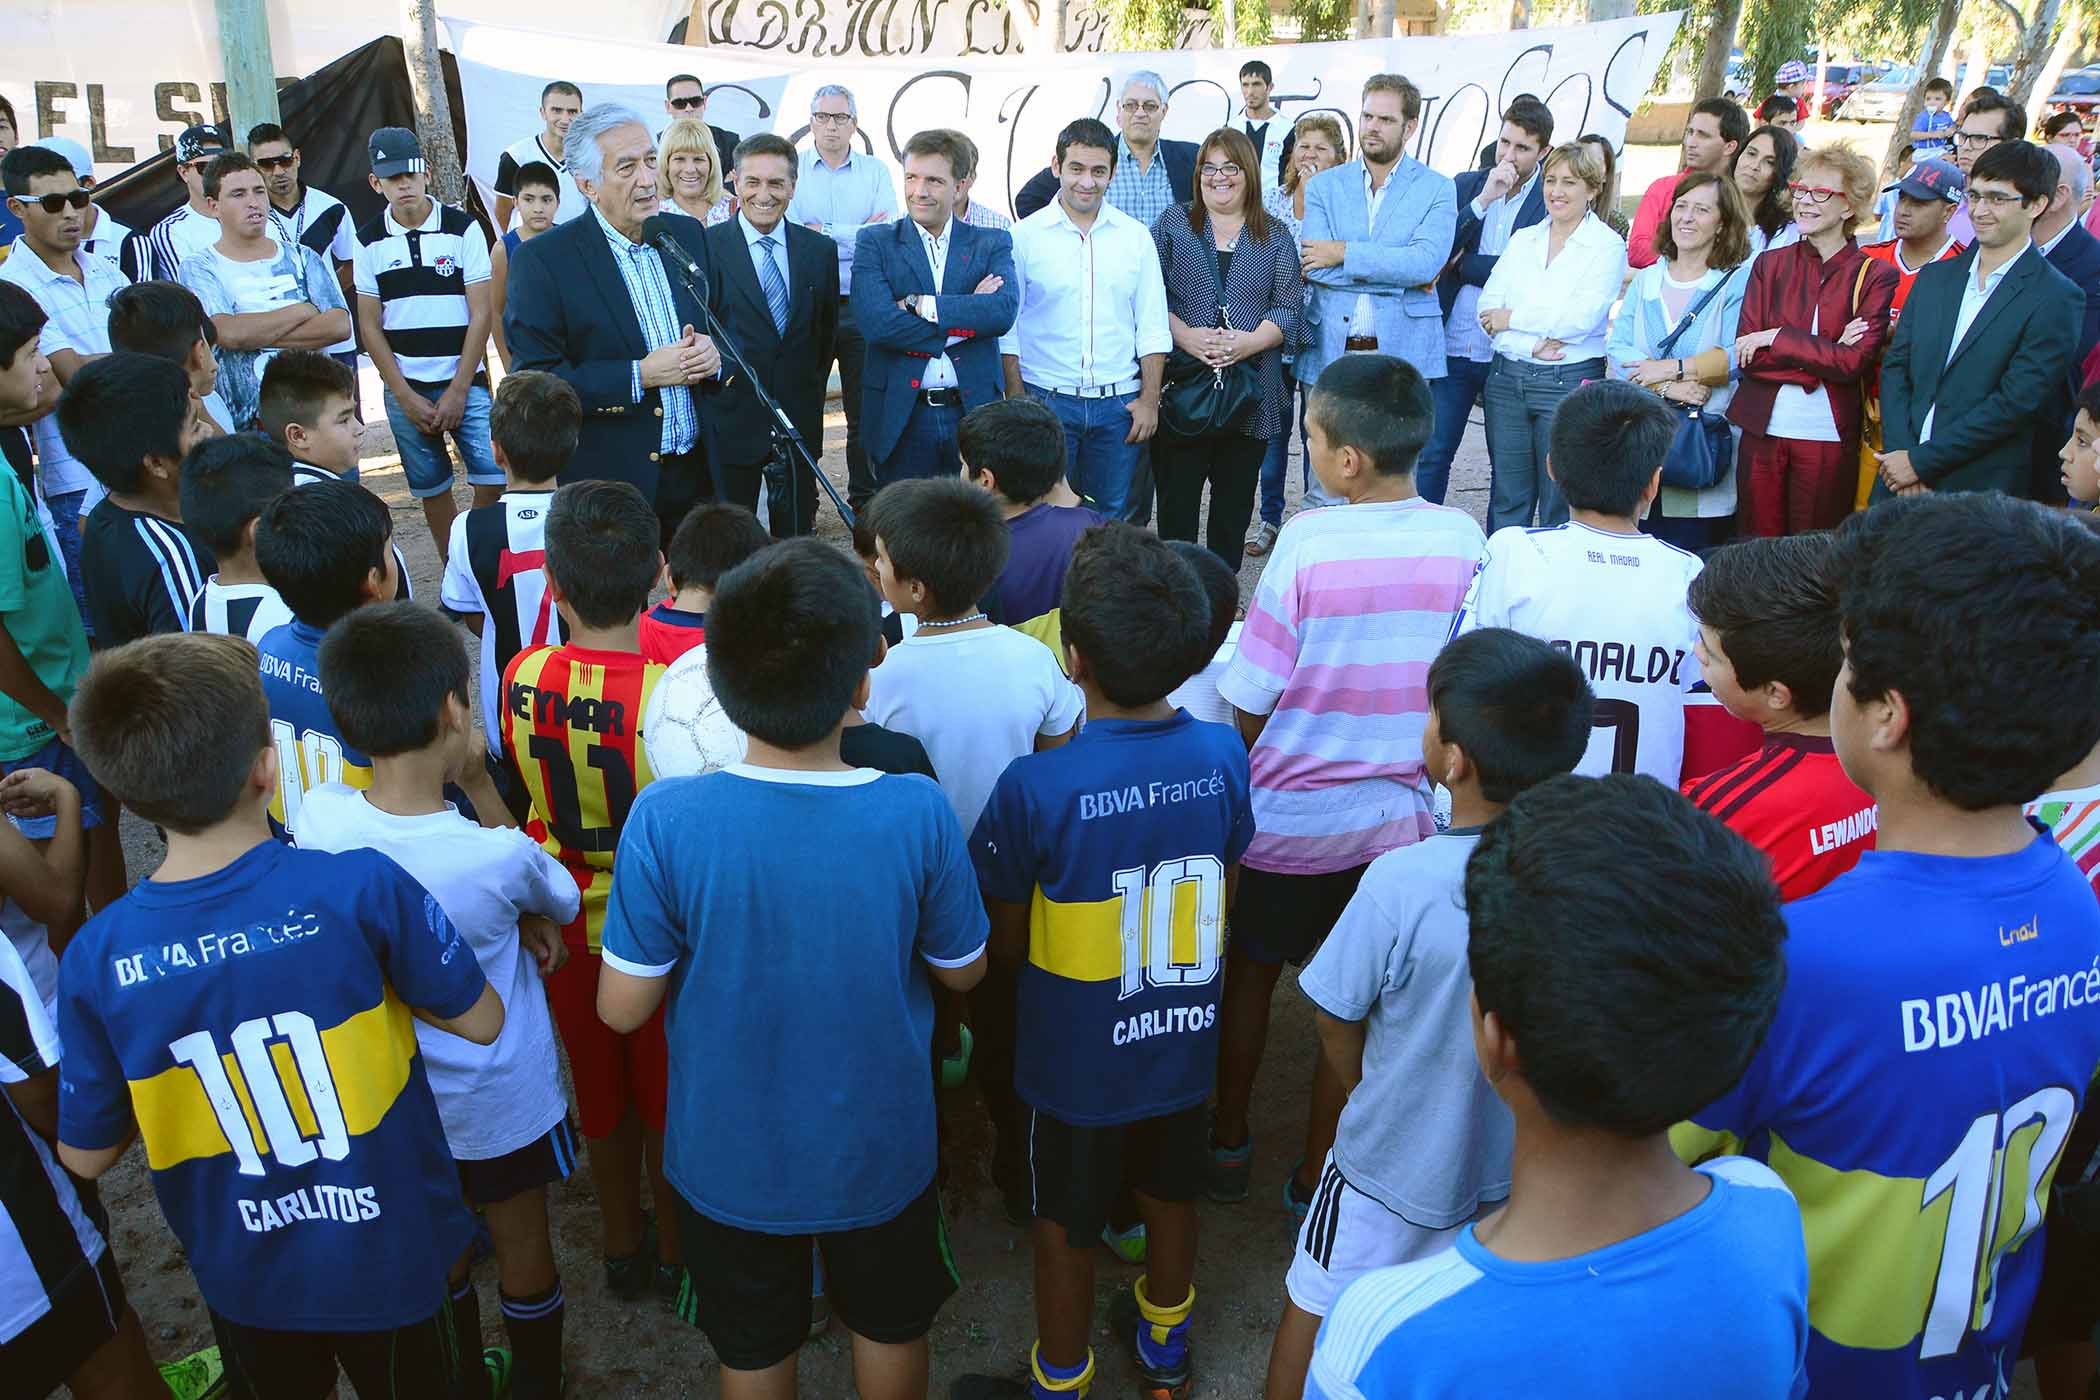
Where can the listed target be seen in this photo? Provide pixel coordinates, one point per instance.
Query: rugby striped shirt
(1354, 605)
(2073, 818)
(493, 570)
(140, 572)
(1792, 800)
(250, 610)
(420, 278)
(523, 152)
(177, 236)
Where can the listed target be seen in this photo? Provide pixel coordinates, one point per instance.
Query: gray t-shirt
(1423, 1134)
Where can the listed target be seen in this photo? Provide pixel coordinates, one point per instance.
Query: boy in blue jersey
(1107, 866)
(1625, 952)
(1941, 1020)
(800, 1107)
(246, 1011)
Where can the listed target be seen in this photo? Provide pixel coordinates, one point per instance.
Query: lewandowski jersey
(572, 720)
(2073, 818)
(1616, 604)
(493, 568)
(257, 1022)
(310, 749)
(1792, 801)
(1118, 843)
(1940, 1024)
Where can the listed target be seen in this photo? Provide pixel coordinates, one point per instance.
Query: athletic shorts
(1075, 1174)
(1347, 1234)
(750, 1292)
(86, 1311)
(415, 1362)
(545, 1160)
(59, 759)
(1279, 919)
(612, 1072)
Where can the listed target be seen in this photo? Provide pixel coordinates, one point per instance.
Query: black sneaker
(633, 1277)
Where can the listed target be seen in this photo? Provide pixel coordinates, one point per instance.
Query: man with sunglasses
(686, 96)
(1988, 119)
(306, 216)
(192, 225)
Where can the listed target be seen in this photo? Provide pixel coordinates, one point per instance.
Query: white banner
(1591, 75)
(902, 28)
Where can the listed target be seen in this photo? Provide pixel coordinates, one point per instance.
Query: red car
(1838, 81)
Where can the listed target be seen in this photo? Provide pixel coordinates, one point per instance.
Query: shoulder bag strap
(1669, 342)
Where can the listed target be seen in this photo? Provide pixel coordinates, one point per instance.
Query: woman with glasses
(1763, 169)
(1546, 306)
(1815, 318)
(1317, 144)
(1234, 295)
(686, 155)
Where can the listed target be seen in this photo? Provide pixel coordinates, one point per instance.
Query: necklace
(954, 622)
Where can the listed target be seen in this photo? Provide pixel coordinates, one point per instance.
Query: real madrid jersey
(1119, 843)
(1616, 604)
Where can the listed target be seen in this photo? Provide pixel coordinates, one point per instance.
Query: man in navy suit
(1492, 204)
(591, 302)
(932, 295)
(2064, 240)
(1151, 172)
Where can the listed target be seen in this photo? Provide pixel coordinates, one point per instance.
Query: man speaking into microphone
(592, 302)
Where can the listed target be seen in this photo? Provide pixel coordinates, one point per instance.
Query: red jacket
(1788, 286)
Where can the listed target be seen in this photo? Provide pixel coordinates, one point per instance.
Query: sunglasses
(57, 203)
(687, 104)
(275, 162)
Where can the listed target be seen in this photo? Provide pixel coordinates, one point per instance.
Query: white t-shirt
(977, 700)
(492, 1099)
(1616, 604)
(32, 944)
(1199, 693)
(1805, 415)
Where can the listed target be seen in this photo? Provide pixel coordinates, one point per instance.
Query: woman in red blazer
(1815, 318)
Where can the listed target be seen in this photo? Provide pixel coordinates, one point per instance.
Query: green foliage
(1320, 20)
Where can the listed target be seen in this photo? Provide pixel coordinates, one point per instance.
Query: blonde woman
(686, 154)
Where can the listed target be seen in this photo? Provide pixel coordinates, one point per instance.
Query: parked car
(1879, 100)
(2078, 92)
(1839, 81)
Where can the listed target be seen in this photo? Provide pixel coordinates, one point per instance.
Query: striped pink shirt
(1354, 605)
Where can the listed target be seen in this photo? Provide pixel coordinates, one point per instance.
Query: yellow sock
(1163, 1320)
(1076, 1384)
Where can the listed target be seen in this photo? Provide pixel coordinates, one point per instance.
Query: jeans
(1454, 396)
(1276, 464)
(1229, 462)
(926, 448)
(852, 352)
(1521, 399)
(423, 456)
(1098, 462)
(65, 529)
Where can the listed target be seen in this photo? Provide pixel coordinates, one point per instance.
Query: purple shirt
(1039, 551)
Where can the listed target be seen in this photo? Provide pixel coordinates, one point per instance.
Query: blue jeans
(1454, 396)
(423, 455)
(1098, 462)
(926, 448)
(1521, 400)
(1277, 463)
(65, 524)
(55, 757)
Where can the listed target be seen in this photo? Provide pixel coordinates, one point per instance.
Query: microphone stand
(787, 439)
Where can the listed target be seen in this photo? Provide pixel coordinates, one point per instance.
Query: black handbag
(1703, 450)
(1201, 398)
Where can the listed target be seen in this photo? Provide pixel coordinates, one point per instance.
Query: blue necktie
(775, 284)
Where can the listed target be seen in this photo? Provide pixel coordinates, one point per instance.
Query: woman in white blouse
(1761, 175)
(1546, 305)
(687, 152)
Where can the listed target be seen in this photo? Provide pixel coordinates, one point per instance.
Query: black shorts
(408, 1363)
(510, 784)
(1279, 919)
(85, 1313)
(2067, 1300)
(1075, 1174)
(749, 1292)
(542, 1162)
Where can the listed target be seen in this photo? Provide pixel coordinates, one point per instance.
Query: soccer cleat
(1229, 1169)
(497, 1361)
(634, 1276)
(1297, 1199)
(955, 1068)
(1127, 1245)
(199, 1376)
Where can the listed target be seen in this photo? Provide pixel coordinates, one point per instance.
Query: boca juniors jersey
(310, 749)
(1119, 843)
(257, 1023)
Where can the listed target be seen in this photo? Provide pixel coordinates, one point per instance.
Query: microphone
(656, 232)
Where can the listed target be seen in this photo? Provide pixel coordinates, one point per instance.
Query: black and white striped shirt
(140, 572)
(420, 278)
(251, 610)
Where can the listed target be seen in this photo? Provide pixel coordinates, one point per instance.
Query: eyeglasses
(1977, 140)
(1144, 109)
(275, 162)
(1995, 199)
(54, 203)
(830, 118)
(1227, 171)
(687, 104)
(1814, 194)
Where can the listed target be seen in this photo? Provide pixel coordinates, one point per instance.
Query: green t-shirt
(38, 611)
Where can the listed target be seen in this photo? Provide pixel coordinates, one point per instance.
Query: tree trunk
(1608, 9)
(251, 82)
(1938, 40)
(1720, 38)
(2067, 39)
(2034, 50)
(696, 25)
(1815, 94)
(1979, 70)
(1520, 14)
(426, 81)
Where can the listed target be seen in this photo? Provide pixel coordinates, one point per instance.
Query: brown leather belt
(1360, 344)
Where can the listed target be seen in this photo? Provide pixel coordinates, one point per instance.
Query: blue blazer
(1469, 267)
(889, 261)
(1397, 263)
(569, 314)
(1180, 157)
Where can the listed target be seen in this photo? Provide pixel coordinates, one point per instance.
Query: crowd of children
(1633, 1078)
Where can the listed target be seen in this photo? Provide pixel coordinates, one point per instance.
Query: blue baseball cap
(1932, 179)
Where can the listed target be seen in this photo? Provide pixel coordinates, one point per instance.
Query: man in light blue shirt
(838, 192)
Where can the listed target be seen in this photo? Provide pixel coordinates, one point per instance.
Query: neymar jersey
(257, 1023)
(572, 721)
(1940, 1024)
(311, 751)
(1119, 843)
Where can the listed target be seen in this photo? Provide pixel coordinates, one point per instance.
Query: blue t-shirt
(1040, 541)
(310, 749)
(801, 1101)
(1713, 1303)
(256, 1021)
(1940, 1024)
(1118, 843)
(1932, 135)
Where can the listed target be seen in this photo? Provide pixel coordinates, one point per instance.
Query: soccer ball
(684, 730)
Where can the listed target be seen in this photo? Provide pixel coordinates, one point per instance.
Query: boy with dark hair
(539, 197)
(1625, 960)
(766, 1155)
(1334, 732)
(245, 1011)
(1116, 1034)
(1599, 587)
(1932, 134)
(493, 579)
(165, 320)
(131, 419)
(1938, 1030)
(1768, 648)
(1221, 588)
(396, 679)
(309, 403)
(714, 538)
(226, 484)
(1423, 1145)
(1015, 449)
(572, 718)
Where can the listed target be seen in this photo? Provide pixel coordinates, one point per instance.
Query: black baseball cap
(395, 151)
(202, 140)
